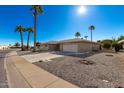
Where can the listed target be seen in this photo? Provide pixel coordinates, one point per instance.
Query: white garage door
(70, 48)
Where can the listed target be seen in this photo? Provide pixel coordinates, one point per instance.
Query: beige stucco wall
(53, 47)
(96, 46)
(78, 47)
(84, 47)
(61, 47)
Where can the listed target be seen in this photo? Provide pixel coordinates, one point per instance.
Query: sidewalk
(22, 73)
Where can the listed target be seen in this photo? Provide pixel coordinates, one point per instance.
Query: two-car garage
(70, 48)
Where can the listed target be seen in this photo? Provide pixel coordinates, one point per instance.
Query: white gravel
(107, 71)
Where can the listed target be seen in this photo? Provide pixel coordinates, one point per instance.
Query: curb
(7, 73)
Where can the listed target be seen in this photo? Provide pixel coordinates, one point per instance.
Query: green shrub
(118, 47)
(107, 45)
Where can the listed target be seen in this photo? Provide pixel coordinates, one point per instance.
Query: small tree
(77, 34)
(86, 37)
(17, 44)
(38, 44)
(99, 41)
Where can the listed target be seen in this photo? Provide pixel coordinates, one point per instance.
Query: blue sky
(62, 22)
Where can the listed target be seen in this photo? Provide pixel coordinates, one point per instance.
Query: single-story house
(71, 45)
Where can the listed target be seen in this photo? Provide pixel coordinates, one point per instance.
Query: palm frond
(30, 29)
(40, 9)
(36, 9)
(92, 27)
(19, 28)
(32, 8)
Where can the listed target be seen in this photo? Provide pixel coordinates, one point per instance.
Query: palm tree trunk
(35, 32)
(91, 41)
(28, 40)
(22, 48)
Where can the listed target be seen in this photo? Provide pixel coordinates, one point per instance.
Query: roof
(121, 41)
(69, 41)
(75, 40)
(52, 42)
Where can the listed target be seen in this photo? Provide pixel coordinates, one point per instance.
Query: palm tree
(29, 30)
(36, 9)
(91, 28)
(20, 29)
(86, 37)
(77, 34)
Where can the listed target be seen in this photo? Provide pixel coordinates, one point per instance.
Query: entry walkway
(22, 73)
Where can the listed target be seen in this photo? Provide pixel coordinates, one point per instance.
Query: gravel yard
(106, 70)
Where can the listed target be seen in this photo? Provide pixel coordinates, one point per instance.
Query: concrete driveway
(41, 57)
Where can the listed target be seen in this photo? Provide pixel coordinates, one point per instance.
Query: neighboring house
(2, 47)
(121, 42)
(71, 45)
